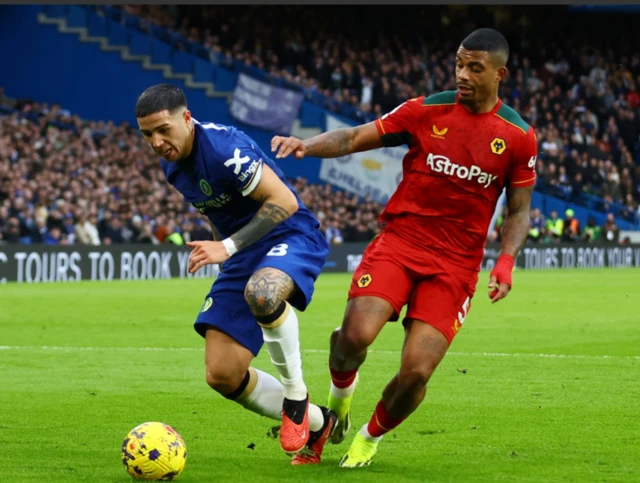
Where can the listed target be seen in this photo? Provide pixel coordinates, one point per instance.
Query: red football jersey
(454, 172)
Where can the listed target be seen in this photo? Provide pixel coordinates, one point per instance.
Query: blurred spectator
(555, 226)
(54, 236)
(571, 227)
(591, 231)
(537, 226)
(11, 231)
(610, 231)
(86, 231)
(333, 233)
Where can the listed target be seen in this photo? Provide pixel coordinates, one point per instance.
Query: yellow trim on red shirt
(525, 181)
(500, 117)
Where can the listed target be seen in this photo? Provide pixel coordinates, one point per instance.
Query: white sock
(343, 393)
(266, 400)
(266, 397)
(316, 418)
(364, 431)
(283, 345)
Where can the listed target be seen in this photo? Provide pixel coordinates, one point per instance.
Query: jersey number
(465, 309)
(278, 250)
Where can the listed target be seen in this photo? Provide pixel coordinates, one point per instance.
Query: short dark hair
(158, 98)
(487, 40)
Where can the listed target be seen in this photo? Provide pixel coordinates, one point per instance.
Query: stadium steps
(166, 69)
(145, 60)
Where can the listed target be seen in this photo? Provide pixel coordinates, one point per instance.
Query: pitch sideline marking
(316, 351)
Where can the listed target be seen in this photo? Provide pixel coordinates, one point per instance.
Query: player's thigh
(443, 300)
(226, 310)
(291, 268)
(226, 360)
(380, 287)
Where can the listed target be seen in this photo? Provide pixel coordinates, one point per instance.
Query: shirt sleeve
(241, 164)
(523, 167)
(397, 127)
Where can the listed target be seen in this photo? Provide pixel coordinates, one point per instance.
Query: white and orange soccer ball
(154, 452)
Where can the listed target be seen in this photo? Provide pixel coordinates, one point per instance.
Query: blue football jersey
(222, 170)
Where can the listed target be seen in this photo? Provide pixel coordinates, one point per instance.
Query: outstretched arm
(331, 144)
(514, 234)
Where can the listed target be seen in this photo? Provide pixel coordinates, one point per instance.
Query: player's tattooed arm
(331, 144)
(277, 204)
(341, 142)
(516, 226)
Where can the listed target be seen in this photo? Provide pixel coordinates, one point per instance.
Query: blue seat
(76, 16)
(202, 70)
(182, 62)
(160, 52)
(97, 25)
(139, 43)
(56, 11)
(118, 33)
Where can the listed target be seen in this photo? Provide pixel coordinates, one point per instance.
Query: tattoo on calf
(266, 290)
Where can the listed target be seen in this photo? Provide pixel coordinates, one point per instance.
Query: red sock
(381, 423)
(342, 379)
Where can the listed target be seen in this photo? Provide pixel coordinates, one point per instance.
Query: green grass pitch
(541, 387)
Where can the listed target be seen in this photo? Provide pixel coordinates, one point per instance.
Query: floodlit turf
(542, 387)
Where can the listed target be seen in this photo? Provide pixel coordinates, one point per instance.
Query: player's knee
(416, 376)
(355, 337)
(224, 380)
(266, 291)
(262, 301)
(335, 336)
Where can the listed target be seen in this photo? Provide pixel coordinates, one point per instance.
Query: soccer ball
(154, 451)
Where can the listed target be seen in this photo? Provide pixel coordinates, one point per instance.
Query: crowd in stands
(64, 180)
(579, 88)
(563, 228)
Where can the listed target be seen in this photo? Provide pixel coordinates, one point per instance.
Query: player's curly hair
(487, 40)
(158, 98)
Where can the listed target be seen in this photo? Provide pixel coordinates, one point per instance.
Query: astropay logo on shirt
(442, 164)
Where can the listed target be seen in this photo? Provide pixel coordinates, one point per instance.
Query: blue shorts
(299, 255)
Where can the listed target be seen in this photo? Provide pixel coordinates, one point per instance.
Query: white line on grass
(312, 351)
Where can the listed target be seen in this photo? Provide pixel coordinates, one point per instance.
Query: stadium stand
(581, 96)
(66, 180)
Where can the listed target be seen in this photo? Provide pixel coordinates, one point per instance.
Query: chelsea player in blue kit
(271, 252)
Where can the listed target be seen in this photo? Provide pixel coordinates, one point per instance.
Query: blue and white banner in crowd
(375, 173)
(265, 106)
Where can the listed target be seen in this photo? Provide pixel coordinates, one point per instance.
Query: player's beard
(476, 100)
(467, 95)
(469, 101)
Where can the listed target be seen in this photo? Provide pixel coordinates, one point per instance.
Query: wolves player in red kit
(465, 146)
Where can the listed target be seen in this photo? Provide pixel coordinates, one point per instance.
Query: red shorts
(436, 291)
